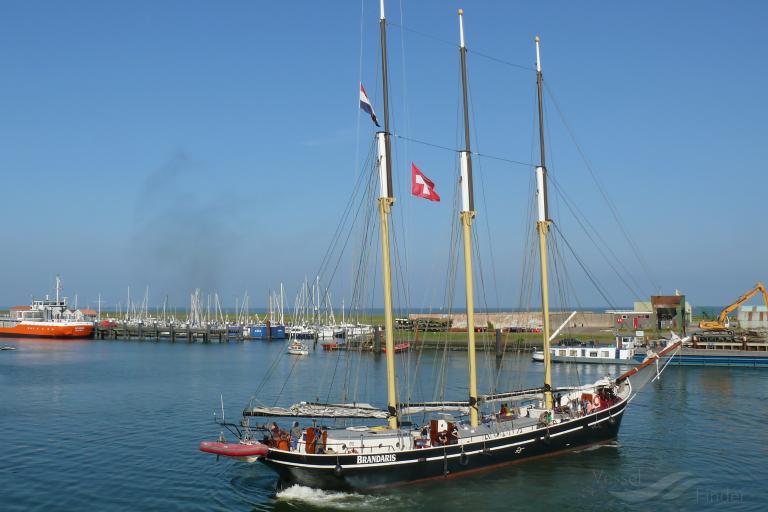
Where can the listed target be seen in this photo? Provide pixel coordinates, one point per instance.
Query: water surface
(114, 425)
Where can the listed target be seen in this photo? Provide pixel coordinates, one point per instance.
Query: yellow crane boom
(722, 321)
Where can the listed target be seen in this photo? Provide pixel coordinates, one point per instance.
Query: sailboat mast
(542, 227)
(386, 199)
(467, 215)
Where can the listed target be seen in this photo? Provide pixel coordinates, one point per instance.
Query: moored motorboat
(621, 352)
(46, 318)
(297, 348)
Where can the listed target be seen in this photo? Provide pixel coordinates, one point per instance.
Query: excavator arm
(722, 319)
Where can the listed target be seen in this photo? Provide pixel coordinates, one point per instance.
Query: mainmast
(467, 214)
(542, 227)
(386, 199)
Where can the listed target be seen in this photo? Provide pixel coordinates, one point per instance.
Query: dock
(171, 332)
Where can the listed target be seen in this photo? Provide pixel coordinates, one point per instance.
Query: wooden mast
(386, 199)
(467, 215)
(542, 227)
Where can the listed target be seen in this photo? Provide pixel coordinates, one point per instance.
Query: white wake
(334, 499)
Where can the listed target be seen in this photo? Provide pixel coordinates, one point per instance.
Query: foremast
(542, 227)
(386, 199)
(467, 215)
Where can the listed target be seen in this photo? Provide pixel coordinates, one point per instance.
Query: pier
(171, 332)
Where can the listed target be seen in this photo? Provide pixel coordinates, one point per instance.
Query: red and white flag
(421, 186)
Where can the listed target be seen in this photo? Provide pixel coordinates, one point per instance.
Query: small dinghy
(7, 347)
(247, 452)
(399, 347)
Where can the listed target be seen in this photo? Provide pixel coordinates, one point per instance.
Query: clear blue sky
(184, 144)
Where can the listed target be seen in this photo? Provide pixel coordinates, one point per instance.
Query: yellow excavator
(723, 322)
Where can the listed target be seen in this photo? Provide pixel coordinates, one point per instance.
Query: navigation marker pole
(467, 214)
(386, 200)
(542, 227)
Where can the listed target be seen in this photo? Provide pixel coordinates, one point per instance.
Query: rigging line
(503, 159)
(339, 228)
(450, 290)
(333, 379)
(358, 111)
(402, 297)
(455, 150)
(603, 193)
(589, 275)
(369, 226)
(556, 251)
(485, 202)
(285, 382)
(501, 61)
(405, 214)
(453, 44)
(574, 209)
(484, 336)
(362, 265)
(566, 198)
(359, 80)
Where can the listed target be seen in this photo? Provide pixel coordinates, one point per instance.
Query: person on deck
(295, 435)
(319, 441)
(421, 442)
(504, 411)
(275, 432)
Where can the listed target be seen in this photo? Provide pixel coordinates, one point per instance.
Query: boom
(722, 321)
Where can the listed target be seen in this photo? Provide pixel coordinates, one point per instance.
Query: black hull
(348, 472)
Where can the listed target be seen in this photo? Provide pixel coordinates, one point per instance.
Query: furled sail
(418, 408)
(318, 410)
(522, 394)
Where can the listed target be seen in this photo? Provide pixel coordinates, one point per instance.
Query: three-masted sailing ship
(460, 439)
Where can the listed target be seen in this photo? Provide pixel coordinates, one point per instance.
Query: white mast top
(461, 27)
(381, 9)
(538, 54)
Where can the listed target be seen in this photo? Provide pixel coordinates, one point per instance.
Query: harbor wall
(520, 319)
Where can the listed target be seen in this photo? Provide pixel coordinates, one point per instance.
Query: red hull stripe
(48, 331)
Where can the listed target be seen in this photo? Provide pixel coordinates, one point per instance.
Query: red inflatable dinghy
(234, 449)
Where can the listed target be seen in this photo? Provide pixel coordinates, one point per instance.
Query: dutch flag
(365, 104)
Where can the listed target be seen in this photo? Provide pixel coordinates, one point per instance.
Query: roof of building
(88, 312)
(21, 308)
(666, 300)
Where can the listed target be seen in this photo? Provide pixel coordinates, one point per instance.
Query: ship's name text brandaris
(370, 459)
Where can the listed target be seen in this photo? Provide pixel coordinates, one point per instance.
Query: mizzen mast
(386, 199)
(467, 215)
(542, 227)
